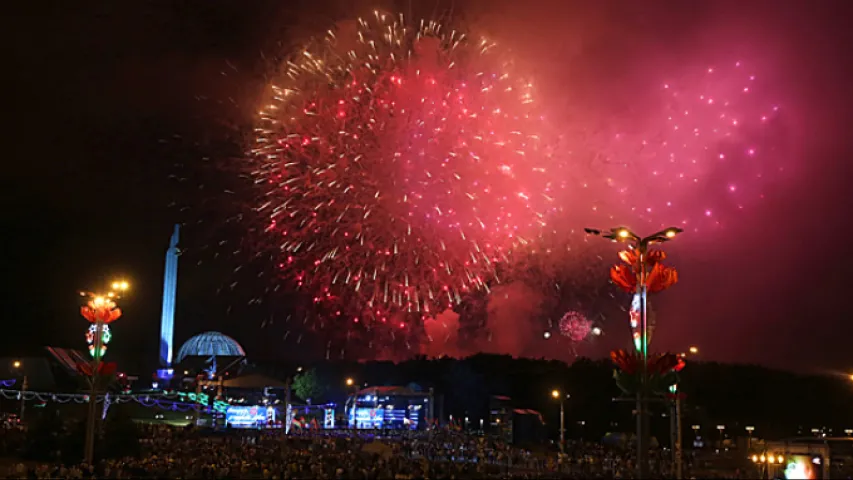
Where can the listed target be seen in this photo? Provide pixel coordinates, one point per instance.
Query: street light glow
(350, 382)
(694, 350)
(121, 285)
(555, 393)
(16, 364)
(624, 233)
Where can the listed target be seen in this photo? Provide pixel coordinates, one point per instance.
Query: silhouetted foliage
(778, 404)
(308, 386)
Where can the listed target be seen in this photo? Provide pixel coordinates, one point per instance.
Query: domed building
(210, 344)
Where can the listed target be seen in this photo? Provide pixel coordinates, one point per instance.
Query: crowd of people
(173, 453)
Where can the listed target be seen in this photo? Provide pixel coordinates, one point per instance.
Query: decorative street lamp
(100, 311)
(644, 273)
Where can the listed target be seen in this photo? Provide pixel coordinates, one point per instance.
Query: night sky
(112, 106)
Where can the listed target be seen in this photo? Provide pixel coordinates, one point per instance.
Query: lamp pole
(749, 430)
(640, 245)
(721, 429)
(100, 311)
(557, 394)
(92, 415)
(18, 365)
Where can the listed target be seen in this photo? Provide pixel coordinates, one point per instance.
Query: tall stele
(167, 318)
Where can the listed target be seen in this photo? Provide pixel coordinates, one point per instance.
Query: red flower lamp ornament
(628, 277)
(662, 368)
(100, 310)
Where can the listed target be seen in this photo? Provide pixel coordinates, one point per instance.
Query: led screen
(253, 416)
(803, 467)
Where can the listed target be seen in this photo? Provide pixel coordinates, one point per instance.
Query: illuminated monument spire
(167, 320)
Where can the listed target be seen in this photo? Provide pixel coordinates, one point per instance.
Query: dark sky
(97, 91)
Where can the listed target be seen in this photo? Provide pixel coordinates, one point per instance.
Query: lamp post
(18, 366)
(749, 430)
(721, 429)
(557, 395)
(765, 460)
(641, 246)
(675, 423)
(100, 311)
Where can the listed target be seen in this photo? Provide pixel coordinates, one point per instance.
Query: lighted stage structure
(302, 417)
(398, 408)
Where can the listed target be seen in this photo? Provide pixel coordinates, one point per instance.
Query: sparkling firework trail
(397, 166)
(703, 149)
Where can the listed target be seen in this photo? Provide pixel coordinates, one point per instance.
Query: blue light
(167, 319)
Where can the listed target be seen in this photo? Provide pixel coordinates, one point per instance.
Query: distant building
(515, 425)
(500, 417)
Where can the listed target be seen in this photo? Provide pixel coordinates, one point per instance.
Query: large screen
(252, 416)
(803, 467)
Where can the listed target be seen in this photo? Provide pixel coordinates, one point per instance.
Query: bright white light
(547, 335)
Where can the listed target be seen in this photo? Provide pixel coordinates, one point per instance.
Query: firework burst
(397, 166)
(698, 149)
(575, 326)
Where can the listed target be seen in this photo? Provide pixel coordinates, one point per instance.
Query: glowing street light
(350, 382)
(640, 245)
(17, 365)
(555, 394)
(694, 350)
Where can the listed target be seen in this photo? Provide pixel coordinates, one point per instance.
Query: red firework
(575, 326)
(701, 147)
(397, 166)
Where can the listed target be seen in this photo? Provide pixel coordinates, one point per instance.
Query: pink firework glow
(699, 151)
(397, 166)
(575, 326)
(400, 169)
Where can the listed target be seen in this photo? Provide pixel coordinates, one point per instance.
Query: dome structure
(210, 344)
